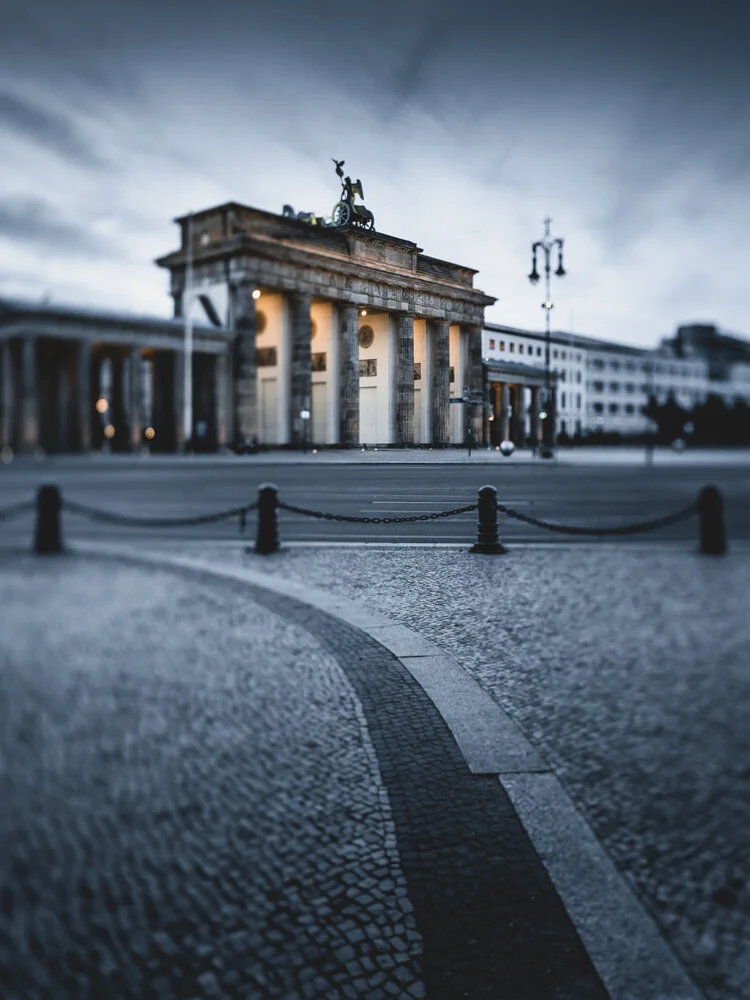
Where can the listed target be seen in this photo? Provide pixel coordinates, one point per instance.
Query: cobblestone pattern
(629, 671)
(492, 924)
(190, 804)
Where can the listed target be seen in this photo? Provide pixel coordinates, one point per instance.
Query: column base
(489, 548)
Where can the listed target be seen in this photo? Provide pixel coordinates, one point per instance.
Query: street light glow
(102, 405)
(256, 293)
(150, 433)
(109, 431)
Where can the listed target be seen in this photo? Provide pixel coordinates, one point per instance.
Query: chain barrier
(16, 509)
(352, 519)
(627, 529)
(110, 517)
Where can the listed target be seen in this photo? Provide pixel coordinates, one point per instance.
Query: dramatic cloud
(34, 222)
(46, 129)
(468, 123)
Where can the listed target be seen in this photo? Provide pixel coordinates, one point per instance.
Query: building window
(615, 366)
(366, 337)
(598, 387)
(564, 355)
(598, 364)
(265, 357)
(614, 408)
(630, 387)
(563, 375)
(502, 345)
(554, 354)
(520, 348)
(598, 407)
(614, 386)
(629, 408)
(578, 378)
(562, 399)
(417, 371)
(539, 352)
(578, 357)
(578, 401)
(630, 366)
(368, 367)
(205, 238)
(452, 374)
(492, 345)
(318, 362)
(512, 348)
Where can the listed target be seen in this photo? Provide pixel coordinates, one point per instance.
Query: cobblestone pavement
(629, 670)
(191, 806)
(201, 799)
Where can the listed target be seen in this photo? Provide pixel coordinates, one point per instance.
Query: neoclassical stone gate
(355, 332)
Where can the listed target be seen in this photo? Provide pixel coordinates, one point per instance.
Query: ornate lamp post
(547, 245)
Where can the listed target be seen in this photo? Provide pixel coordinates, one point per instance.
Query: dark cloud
(35, 222)
(47, 129)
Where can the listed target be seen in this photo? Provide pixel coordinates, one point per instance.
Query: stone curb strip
(623, 941)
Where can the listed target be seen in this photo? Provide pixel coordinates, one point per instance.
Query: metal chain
(627, 529)
(16, 509)
(110, 517)
(376, 520)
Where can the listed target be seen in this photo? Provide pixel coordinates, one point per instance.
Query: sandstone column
(222, 396)
(535, 408)
(504, 418)
(135, 417)
(29, 394)
(441, 388)
(84, 404)
(349, 377)
(475, 379)
(300, 397)
(6, 391)
(246, 376)
(405, 381)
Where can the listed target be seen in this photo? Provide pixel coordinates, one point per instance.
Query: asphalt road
(567, 495)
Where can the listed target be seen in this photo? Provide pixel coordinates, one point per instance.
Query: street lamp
(547, 245)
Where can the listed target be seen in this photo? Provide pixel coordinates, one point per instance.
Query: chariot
(345, 212)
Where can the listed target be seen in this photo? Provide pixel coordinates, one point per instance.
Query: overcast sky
(468, 122)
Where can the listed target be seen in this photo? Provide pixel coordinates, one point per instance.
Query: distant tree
(669, 417)
(712, 421)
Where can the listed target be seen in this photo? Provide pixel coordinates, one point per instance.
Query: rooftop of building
(11, 310)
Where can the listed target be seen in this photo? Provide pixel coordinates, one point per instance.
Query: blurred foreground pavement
(629, 668)
(202, 799)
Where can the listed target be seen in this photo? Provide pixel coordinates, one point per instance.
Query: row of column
(509, 412)
(246, 390)
(36, 401)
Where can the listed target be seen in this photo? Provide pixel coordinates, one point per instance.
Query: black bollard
(48, 535)
(487, 541)
(267, 538)
(711, 512)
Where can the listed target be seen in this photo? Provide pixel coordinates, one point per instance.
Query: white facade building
(603, 387)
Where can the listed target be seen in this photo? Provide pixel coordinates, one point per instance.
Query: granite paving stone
(628, 670)
(185, 779)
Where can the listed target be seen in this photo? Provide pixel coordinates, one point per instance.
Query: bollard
(48, 536)
(711, 513)
(487, 541)
(267, 538)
